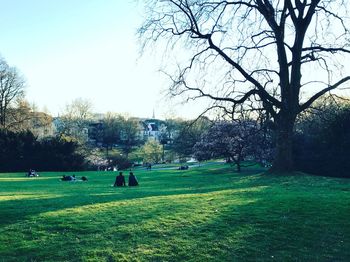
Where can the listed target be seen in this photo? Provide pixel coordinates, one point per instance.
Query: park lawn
(207, 213)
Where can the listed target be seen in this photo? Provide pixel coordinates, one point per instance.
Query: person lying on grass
(68, 178)
(73, 178)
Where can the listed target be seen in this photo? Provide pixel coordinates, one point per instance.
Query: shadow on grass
(43, 198)
(198, 215)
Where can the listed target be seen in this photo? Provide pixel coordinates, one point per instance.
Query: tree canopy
(275, 56)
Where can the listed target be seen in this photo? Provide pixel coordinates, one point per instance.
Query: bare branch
(332, 50)
(322, 92)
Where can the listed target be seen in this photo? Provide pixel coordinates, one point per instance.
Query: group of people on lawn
(120, 180)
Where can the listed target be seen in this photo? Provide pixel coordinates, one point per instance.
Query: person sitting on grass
(133, 180)
(32, 173)
(29, 174)
(119, 180)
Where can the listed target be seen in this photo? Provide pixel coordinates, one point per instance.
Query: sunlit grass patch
(14, 196)
(201, 214)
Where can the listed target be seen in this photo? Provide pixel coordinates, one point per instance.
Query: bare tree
(111, 130)
(22, 116)
(130, 135)
(75, 119)
(11, 89)
(276, 56)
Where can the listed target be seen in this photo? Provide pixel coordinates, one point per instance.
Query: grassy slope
(203, 214)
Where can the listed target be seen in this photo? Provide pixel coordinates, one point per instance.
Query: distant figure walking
(119, 180)
(149, 166)
(133, 180)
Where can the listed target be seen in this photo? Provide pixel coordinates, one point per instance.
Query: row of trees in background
(322, 143)
(321, 136)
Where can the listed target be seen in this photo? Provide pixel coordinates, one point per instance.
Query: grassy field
(207, 213)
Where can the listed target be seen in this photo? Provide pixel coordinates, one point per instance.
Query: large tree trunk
(284, 160)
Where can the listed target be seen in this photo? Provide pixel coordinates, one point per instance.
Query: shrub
(322, 145)
(20, 151)
(120, 162)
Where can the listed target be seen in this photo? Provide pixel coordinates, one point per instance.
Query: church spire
(153, 115)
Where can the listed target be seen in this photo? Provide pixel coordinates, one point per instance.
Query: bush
(20, 151)
(322, 145)
(120, 162)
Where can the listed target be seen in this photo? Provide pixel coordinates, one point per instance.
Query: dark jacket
(133, 180)
(119, 180)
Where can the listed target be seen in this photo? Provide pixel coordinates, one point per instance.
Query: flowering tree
(236, 141)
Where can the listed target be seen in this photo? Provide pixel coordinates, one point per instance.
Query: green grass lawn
(208, 213)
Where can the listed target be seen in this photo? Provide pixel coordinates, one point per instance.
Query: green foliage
(110, 133)
(129, 135)
(21, 151)
(322, 145)
(136, 156)
(121, 162)
(115, 130)
(55, 154)
(151, 151)
(202, 214)
(188, 135)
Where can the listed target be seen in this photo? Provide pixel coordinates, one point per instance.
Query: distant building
(151, 128)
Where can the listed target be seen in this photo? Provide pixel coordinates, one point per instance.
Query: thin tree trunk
(238, 164)
(237, 161)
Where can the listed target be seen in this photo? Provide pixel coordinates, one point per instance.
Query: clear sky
(68, 49)
(89, 49)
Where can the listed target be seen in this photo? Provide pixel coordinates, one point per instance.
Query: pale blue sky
(81, 48)
(69, 49)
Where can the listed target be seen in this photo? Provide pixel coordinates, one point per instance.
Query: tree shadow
(67, 195)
